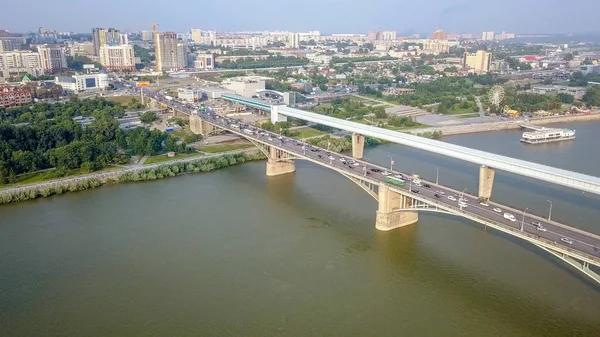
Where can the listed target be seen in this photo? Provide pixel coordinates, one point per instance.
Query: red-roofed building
(11, 96)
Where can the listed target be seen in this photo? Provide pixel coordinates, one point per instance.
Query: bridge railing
(528, 236)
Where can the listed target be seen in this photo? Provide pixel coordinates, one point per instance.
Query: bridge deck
(585, 246)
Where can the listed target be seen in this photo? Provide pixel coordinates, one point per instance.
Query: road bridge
(400, 197)
(488, 161)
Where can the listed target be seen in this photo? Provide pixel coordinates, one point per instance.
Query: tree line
(269, 62)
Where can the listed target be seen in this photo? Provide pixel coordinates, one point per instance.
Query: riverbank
(131, 174)
(505, 125)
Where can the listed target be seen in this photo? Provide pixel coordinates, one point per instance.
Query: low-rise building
(190, 95)
(78, 83)
(245, 86)
(12, 96)
(203, 61)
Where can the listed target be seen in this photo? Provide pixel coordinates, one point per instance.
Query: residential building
(147, 35)
(81, 49)
(52, 58)
(439, 35)
(78, 83)
(197, 36)
(11, 96)
(388, 35)
(204, 61)
(119, 57)
(245, 86)
(294, 40)
(171, 54)
(478, 62)
(505, 36)
(487, 36)
(436, 46)
(20, 62)
(590, 68)
(9, 42)
(105, 36)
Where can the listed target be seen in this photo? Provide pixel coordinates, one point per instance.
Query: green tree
(592, 96)
(148, 117)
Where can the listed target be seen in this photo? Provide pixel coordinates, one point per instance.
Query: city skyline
(327, 16)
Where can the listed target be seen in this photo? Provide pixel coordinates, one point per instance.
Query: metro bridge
(400, 204)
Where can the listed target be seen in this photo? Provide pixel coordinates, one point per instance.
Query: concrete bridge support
(200, 127)
(358, 145)
(275, 116)
(486, 182)
(278, 164)
(388, 216)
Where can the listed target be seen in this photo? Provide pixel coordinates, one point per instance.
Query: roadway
(581, 241)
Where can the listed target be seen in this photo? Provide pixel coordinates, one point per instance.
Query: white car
(280, 138)
(451, 198)
(342, 160)
(398, 176)
(510, 217)
(541, 228)
(464, 199)
(386, 173)
(331, 158)
(356, 164)
(462, 204)
(484, 204)
(497, 210)
(440, 192)
(270, 138)
(566, 240)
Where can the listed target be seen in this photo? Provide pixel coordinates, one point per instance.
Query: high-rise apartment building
(147, 35)
(478, 62)
(170, 53)
(52, 58)
(119, 57)
(487, 36)
(389, 35)
(105, 36)
(294, 40)
(197, 35)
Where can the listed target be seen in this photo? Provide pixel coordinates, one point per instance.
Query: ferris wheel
(496, 95)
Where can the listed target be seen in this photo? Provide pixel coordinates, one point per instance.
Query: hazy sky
(327, 16)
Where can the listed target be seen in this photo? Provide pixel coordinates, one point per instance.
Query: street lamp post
(437, 175)
(550, 212)
(462, 194)
(523, 220)
(391, 163)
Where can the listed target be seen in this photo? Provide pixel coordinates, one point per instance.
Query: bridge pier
(486, 182)
(358, 145)
(200, 127)
(275, 116)
(277, 163)
(388, 216)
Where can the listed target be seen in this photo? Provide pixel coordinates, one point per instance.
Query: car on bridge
(566, 240)
(510, 217)
(497, 210)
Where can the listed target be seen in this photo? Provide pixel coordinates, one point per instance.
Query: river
(234, 253)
